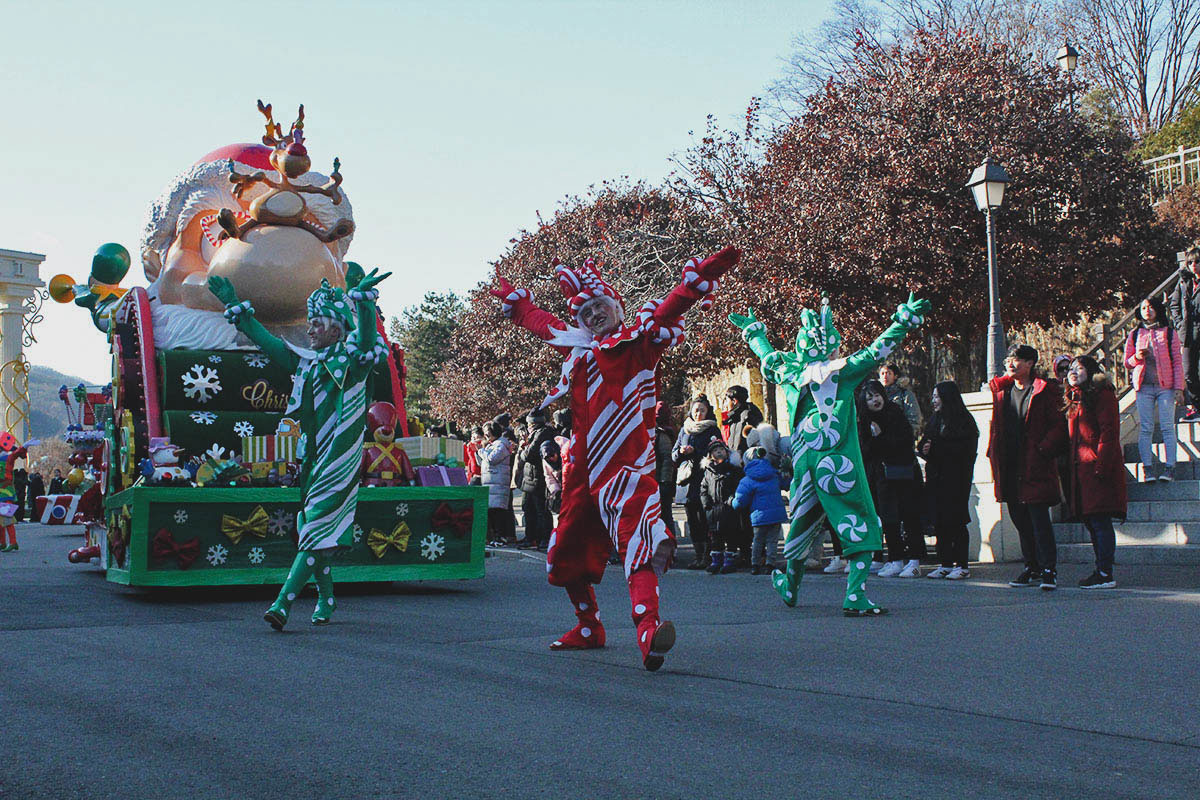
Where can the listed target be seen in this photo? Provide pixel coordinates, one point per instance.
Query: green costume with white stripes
(828, 477)
(329, 397)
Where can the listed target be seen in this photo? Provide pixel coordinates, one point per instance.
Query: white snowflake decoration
(203, 417)
(402, 509)
(214, 359)
(358, 533)
(181, 516)
(216, 452)
(279, 523)
(256, 555)
(433, 546)
(255, 360)
(203, 386)
(243, 428)
(217, 554)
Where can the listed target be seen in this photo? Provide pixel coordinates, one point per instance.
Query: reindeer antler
(296, 134)
(274, 133)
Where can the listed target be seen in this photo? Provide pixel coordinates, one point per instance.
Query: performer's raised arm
(699, 282)
(517, 305)
(909, 316)
(241, 314)
(754, 333)
(365, 341)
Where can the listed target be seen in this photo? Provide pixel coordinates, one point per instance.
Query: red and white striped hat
(583, 284)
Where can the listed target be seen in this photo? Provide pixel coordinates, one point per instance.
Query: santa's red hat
(255, 156)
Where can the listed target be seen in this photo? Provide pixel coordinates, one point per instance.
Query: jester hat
(584, 284)
(331, 302)
(817, 338)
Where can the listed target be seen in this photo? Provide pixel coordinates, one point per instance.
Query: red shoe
(581, 637)
(655, 647)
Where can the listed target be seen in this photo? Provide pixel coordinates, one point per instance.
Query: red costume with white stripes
(610, 496)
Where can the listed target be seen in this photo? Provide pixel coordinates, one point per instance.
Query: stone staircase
(1163, 525)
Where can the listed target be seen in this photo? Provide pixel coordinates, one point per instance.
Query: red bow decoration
(163, 545)
(446, 517)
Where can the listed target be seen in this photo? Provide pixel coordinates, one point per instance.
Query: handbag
(897, 472)
(683, 476)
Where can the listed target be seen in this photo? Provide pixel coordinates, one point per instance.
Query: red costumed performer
(610, 496)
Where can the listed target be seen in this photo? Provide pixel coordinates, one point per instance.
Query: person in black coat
(886, 439)
(741, 418)
(35, 489)
(56, 483)
(699, 429)
(531, 478)
(664, 466)
(949, 446)
(20, 481)
(717, 490)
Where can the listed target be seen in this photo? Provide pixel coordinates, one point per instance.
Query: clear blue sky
(455, 122)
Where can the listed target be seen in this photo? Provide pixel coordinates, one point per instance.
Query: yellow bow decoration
(255, 525)
(378, 541)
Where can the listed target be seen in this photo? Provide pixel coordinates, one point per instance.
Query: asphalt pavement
(432, 690)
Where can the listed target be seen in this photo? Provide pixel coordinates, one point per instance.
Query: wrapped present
(441, 476)
(273, 448)
(425, 450)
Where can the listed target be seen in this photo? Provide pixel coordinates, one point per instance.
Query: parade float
(197, 463)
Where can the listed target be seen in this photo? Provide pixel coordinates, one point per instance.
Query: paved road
(447, 690)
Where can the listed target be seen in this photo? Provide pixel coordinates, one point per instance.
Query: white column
(19, 281)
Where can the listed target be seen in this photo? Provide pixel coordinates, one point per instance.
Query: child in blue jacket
(759, 491)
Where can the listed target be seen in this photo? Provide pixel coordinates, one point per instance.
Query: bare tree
(1143, 51)
(1029, 29)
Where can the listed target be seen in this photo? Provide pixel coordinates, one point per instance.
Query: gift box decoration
(425, 450)
(441, 476)
(273, 448)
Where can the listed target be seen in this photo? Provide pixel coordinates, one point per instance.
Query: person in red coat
(1028, 431)
(1097, 471)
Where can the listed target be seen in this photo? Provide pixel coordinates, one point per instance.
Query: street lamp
(1067, 57)
(987, 185)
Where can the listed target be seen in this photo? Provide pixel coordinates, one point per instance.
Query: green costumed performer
(329, 395)
(828, 477)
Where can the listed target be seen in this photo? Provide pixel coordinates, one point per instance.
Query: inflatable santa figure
(609, 496)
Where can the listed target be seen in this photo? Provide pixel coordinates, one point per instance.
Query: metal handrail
(1117, 332)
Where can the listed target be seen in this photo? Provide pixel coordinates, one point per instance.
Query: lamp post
(1068, 59)
(987, 185)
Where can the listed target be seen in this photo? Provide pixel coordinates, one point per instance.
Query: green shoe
(276, 616)
(323, 577)
(784, 587)
(14, 547)
(323, 611)
(298, 575)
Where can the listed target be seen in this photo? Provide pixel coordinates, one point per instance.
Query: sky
(455, 122)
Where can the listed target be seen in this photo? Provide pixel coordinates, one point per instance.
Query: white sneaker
(890, 569)
(940, 572)
(835, 565)
(958, 573)
(912, 569)
(875, 567)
